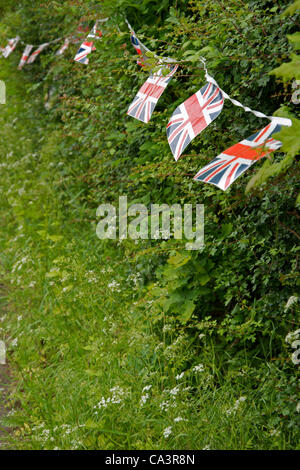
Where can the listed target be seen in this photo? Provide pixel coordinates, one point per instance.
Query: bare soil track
(5, 381)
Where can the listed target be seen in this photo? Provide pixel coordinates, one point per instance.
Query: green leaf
(179, 259)
(295, 40)
(288, 70)
(292, 8)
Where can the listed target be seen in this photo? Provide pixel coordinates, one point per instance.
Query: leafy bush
(144, 345)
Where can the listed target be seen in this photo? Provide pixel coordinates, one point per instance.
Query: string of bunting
(189, 119)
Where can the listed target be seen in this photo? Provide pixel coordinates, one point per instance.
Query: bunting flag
(62, 48)
(230, 164)
(87, 46)
(193, 116)
(37, 52)
(140, 49)
(25, 56)
(12, 43)
(95, 33)
(148, 95)
(82, 53)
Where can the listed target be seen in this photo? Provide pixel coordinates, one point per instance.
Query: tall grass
(92, 369)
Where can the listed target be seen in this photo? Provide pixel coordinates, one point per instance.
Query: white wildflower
(178, 419)
(292, 300)
(167, 432)
(174, 391)
(179, 376)
(274, 432)
(14, 342)
(236, 406)
(144, 398)
(198, 368)
(166, 327)
(114, 286)
(164, 406)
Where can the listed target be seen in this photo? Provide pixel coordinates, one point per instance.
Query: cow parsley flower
(174, 391)
(236, 406)
(164, 406)
(179, 376)
(167, 432)
(198, 368)
(144, 398)
(178, 419)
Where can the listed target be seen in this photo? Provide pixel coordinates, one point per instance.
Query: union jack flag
(12, 43)
(148, 95)
(25, 56)
(192, 116)
(37, 52)
(82, 53)
(87, 46)
(140, 49)
(95, 33)
(223, 170)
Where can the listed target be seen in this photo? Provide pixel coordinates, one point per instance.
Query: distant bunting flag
(25, 56)
(140, 49)
(12, 43)
(62, 48)
(230, 164)
(193, 116)
(148, 95)
(82, 53)
(95, 33)
(87, 46)
(34, 55)
(189, 119)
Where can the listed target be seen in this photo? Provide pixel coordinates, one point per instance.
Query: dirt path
(4, 384)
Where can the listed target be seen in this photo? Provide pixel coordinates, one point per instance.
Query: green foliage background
(103, 314)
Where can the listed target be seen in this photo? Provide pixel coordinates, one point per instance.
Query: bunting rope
(37, 45)
(189, 118)
(279, 120)
(166, 60)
